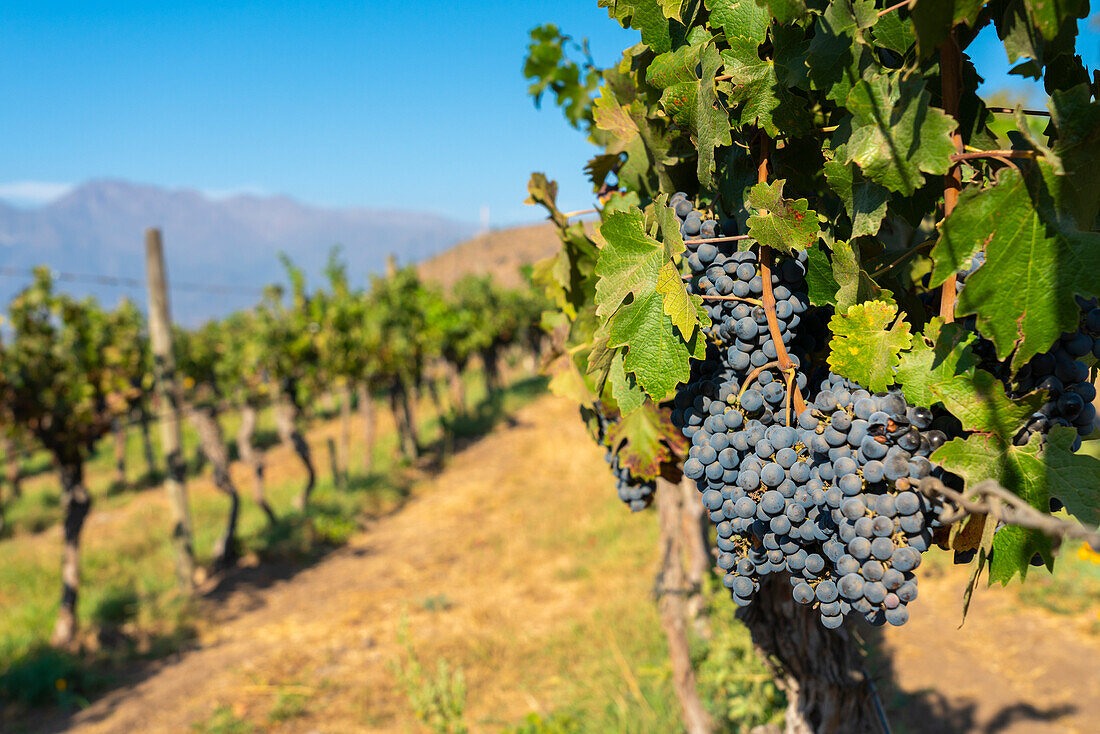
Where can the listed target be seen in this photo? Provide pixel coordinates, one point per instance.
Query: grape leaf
(645, 438)
(740, 18)
(1027, 245)
(856, 286)
(658, 358)
(786, 225)
(895, 33)
(1077, 119)
(864, 201)
(624, 389)
(834, 54)
(567, 381)
(934, 19)
(630, 262)
(865, 346)
(821, 286)
(1037, 471)
(1048, 15)
(978, 400)
(937, 357)
(691, 101)
(897, 134)
(647, 16)
(756, 87)
(785, 11)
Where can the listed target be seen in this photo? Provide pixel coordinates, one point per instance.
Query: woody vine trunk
(76, 502)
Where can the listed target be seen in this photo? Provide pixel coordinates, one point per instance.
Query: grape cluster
(1059, 371)
(636, 493)
(826, 496)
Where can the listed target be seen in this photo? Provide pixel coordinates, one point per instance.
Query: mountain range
(97, 229)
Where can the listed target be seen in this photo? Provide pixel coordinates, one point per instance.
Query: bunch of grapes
(635, 492)
(826, 496)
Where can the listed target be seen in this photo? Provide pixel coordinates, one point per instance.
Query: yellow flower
(61, 684)
(1085, 553)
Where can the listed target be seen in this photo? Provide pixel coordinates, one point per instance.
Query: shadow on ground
(41, 690)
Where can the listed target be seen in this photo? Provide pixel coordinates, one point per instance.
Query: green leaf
(1018, 469)
(647, 16)
(691, 101)
(1072, 477)
(740, 18)
(834, 55)
(628, 264)
(1048, 15)
(1027, 245)
(856, 286)
(938, 356)
(658, 358)
(934, 19)
(978, 400)
(785, 11)
(864, 201)
(897, 134)
(679, 305)
(645, 439)
(865, 346)
(623, 387)
(1077, 119)
(786, 225)
(895, 33)
(757, 88)
(821, 286)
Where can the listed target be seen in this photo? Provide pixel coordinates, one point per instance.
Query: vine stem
(753, 301)
(1000, 153)
(1009, 111)
(752, 377)
(580, 212)
(892, 8)
(950, 75)
(990, 498)
(765, 256)
(713, 240)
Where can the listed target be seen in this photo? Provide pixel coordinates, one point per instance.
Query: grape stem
(765, 257)
(712, 240)
(752, 376)
(951, 76)
(1009, 110)
(753, 301)
(892, 8)
(999, 153)
(991, 499)
(579, 213)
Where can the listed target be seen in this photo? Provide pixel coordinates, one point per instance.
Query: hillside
(500, 253)
(96, 229)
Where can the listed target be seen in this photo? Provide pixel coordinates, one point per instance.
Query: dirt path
(491, 541)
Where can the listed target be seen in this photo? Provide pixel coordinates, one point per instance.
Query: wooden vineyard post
(168, 395)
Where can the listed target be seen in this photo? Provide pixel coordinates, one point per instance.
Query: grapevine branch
(781, 355)
(579, 213)
(715, 240)
(752, 376)
(752, 301)
(892, 8)
(1000, 153)
(950, 75)
(1009, 110)
(990, 498)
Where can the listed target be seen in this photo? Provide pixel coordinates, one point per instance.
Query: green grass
(128, 585)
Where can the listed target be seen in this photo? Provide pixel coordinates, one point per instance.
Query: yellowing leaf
(866, 348)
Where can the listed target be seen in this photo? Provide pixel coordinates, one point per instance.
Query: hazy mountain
(97, 229)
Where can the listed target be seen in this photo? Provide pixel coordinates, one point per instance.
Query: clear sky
(415, 105)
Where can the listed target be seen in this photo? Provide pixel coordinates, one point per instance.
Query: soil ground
(497, 564)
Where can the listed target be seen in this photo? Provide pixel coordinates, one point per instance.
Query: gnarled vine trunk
(254, 458)
(366, 411)
(403, 417)
(458, 390)
(12, 471)
(342, 469)
(76, 502)
(212, 444)
(118, 435)
(672, 590)
(699, 562)
(286, 421)
(821, 671)
(147, 442)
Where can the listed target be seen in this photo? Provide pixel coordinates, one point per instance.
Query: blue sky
(414, 105)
